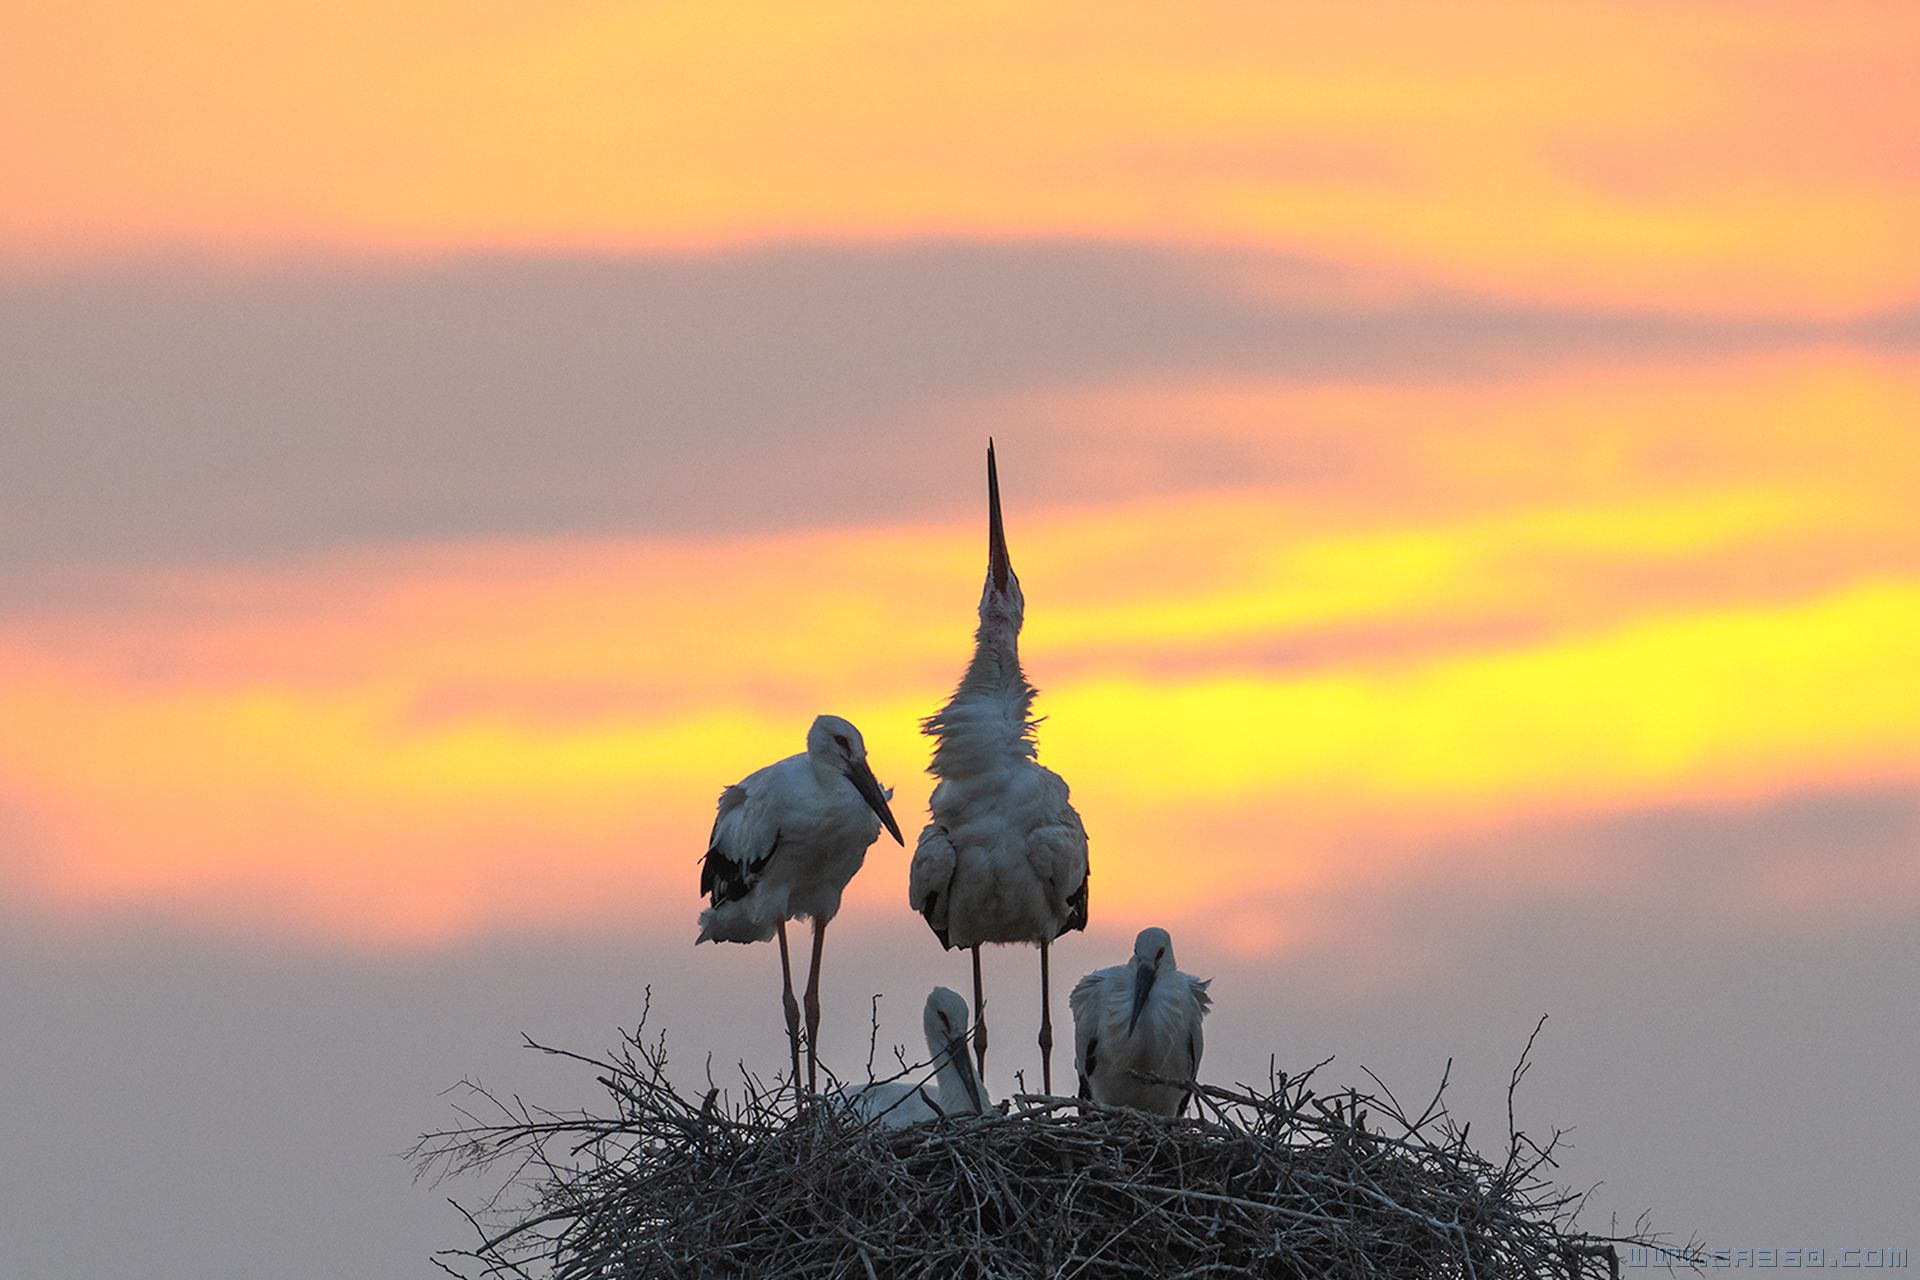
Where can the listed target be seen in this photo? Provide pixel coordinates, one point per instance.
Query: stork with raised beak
(1004, 858)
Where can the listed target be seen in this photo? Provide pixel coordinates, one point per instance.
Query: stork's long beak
(999, 567)
(1142, 984)
(869, 788)
(959, 1056)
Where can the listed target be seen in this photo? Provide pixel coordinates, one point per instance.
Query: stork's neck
(995, 666)
(987, 717)
(824, 770)
(951, 1084)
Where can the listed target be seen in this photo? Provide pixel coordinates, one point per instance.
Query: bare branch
(1273, 1180)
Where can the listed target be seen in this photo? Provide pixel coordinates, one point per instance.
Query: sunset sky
(1461, 461)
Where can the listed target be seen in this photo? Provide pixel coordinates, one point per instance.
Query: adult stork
(1005, 857)
(1142, 1016)
(786, 840)
(956, 1091)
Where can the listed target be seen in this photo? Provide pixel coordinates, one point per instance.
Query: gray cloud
(179, 1108)
(1718, 874)
(167, 413)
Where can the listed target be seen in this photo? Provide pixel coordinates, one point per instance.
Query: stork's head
(946, 1024)
(1152, 956)
(1000, 600)
(835, 743)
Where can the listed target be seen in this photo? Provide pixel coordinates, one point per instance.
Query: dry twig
(1276, 1182)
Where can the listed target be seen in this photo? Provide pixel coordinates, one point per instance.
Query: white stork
(1142, 1016)
(956, 1090)
(785, 842)
(1005, 857)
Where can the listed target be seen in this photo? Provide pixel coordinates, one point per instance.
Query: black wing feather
(1076, 910)
(933, 900)
(723, 880)
(1193, 1068)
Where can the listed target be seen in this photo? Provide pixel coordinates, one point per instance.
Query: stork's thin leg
(1046, 1028)
(979, 1021)
(792, 1008)
(813, 1007)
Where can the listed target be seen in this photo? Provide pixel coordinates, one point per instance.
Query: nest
(1277, 1181)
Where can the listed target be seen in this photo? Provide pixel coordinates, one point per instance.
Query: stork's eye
(841, 738)
(1160, 955)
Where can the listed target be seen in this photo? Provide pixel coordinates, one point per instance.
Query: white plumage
(785, 842)
(956, 1089)
(1141, 1016)
(1005, 857)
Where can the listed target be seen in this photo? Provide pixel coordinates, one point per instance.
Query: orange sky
(1697, 155)
(1460, 458)
(1410, 612)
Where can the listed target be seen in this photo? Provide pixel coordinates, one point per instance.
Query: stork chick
(1142, 1016)
(896, 1104)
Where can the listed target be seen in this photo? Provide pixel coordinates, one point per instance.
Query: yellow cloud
(408, 744)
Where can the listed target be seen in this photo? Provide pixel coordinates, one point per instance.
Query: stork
(1004, 858)
(1142, 1016)
(786, 840)
(896, 1104)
